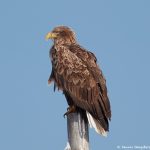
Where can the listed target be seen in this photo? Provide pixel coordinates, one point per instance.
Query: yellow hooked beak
(50, 35)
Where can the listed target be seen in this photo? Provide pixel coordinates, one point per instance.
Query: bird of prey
(75, 71)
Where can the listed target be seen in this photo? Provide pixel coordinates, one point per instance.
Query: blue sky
(118, 32)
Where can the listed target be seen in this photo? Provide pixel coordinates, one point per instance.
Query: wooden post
(78, 133)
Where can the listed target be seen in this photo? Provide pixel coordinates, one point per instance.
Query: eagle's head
(62, 35)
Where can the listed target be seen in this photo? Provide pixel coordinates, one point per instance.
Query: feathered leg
(72, 107)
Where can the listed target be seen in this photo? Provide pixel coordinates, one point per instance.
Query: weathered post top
(78, 134)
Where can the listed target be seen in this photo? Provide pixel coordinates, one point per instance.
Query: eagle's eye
(63, 33)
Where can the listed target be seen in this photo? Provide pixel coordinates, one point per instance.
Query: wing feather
(90, 60)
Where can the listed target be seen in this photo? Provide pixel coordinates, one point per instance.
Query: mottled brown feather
(76, 73)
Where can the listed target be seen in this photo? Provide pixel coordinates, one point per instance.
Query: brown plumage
(76, 73)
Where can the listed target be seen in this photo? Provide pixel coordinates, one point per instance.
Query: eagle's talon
(70, 109)
(65, 114)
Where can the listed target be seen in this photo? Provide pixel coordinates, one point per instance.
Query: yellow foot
(70, 109)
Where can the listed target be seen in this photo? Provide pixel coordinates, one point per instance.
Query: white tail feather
(94, 123)
(67, 146)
